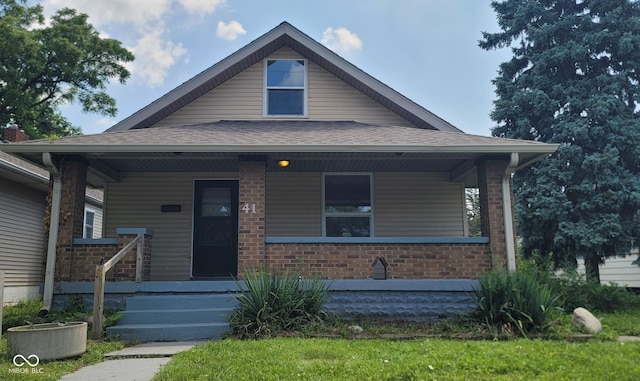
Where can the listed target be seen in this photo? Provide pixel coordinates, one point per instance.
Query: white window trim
(84, 222)
(305, 93)
(371, 196)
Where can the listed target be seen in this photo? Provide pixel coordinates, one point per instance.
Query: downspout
(54, 220)
(508, 212)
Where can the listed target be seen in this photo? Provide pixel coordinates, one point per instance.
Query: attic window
(285, 93)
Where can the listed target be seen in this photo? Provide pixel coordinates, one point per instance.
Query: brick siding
(251, 246)
(406, 261)
(87, 256)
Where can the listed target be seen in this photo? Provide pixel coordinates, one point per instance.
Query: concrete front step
(171, 316)
(169, 332)
(178, 316)
(180, 301)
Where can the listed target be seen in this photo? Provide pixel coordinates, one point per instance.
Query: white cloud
(139, 12)
(154, 57)
(230, 31)
(341, 40)
(201, 6)
(146, 30)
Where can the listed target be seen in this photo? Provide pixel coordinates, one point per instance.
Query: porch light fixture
(283, 163)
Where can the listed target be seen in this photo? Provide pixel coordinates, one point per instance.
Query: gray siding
(418, 205)
(21, 234)
(97, 223)
(618, 270)
(294, 204)
(135, 202)
(240, 98)
(404, 205)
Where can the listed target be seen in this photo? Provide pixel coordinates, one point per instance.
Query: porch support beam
(509, 228)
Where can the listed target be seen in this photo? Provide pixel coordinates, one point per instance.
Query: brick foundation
(406, 261)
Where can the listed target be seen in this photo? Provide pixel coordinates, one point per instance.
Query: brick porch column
(490, 174)
(74, 182)
(251, 248)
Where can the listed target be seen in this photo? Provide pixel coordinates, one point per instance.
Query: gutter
(53, 232)
(508, 212)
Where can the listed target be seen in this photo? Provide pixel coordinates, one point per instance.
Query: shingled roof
(289, 136)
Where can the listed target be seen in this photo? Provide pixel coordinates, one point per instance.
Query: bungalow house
(287, 156)
(23, 192)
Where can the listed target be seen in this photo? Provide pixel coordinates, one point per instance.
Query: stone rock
(584, 320)
(356, 329)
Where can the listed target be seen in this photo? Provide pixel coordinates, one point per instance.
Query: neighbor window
(285, 88)
(89, 218)
(347, 205)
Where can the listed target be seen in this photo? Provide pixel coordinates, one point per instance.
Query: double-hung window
(347, 205)
(285, 93)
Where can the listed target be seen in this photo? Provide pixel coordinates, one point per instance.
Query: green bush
(577, 291)
(22, 313)
(273, 303)
(513, 302)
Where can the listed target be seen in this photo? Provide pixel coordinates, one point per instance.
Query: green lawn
(422, 359)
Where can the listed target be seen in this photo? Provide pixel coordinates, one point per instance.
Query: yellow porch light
(283, 163)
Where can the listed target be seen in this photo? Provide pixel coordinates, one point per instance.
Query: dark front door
(215, 236)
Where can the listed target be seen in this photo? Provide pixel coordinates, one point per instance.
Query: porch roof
(310, 145)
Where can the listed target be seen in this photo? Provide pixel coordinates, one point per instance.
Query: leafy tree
(43, 66)
(574, 80)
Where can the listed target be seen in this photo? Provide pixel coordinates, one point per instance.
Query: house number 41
(249, 208)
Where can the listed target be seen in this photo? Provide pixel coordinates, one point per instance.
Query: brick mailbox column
(251, 247)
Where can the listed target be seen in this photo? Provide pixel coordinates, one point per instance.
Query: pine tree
(574, 80)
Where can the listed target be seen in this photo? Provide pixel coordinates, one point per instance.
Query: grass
(419, 359)
(53, 370)
(452, 350)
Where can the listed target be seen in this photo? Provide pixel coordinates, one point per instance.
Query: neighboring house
(23, 191)
(624, 271)
(287, 156)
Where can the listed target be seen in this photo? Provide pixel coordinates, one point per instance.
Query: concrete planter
(48, 341)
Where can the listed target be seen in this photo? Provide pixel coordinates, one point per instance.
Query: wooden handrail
(101, 271)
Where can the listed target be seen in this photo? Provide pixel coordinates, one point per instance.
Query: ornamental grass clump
(515, 303)
(272, 303)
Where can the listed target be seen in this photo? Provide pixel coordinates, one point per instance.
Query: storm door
(215, 235)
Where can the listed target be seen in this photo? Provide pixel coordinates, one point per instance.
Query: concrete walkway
(137, 363)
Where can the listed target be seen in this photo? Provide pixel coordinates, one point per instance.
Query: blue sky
(425, 49)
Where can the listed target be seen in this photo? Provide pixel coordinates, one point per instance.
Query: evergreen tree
(45, 65)
(574, 80)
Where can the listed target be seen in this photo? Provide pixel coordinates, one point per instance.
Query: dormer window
(286, 88)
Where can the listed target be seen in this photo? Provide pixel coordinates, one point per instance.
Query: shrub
(577, 291)
(22, 313)
(514, 302)
(273, 303)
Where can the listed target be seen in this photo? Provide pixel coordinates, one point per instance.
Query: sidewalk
(137, 363)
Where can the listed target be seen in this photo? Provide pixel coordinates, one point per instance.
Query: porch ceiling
(309, 145)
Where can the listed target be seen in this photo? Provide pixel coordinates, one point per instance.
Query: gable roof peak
(284, 34)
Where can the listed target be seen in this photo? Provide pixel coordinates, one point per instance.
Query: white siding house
(23, 192)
